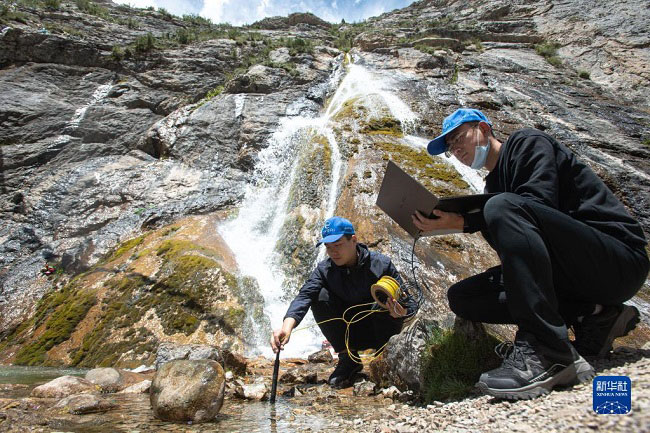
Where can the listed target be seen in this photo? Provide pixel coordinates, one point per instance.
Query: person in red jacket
(570, 255)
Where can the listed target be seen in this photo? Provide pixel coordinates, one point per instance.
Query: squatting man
(570, 256)
(339, 283)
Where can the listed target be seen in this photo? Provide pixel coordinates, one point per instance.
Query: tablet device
(400, 196)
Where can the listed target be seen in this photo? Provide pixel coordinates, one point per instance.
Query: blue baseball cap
(334, 229)
(451, 122)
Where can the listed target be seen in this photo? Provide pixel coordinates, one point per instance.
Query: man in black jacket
(570, 256)
(338, 283)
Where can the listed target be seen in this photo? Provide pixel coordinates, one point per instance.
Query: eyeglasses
(454, 143)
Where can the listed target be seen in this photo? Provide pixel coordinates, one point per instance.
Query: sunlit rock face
(177, 183)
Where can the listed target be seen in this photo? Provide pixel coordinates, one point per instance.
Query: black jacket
(351, 284)
(534, 165)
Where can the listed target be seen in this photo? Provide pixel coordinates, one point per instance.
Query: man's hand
(281, 336)
(395, 309)
(445, 220)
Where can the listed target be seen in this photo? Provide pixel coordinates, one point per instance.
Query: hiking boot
(344, 371)
(530, 371)
(596, 333)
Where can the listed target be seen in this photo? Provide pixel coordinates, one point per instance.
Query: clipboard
(400, 196)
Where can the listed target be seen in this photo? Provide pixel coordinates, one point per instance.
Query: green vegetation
(452, 363)
(7, 14)
(126, 246)
(68, 308)
(197, 20)
(181, 299)
(584, 74)
(117, 53)
(52, 4)
(646, 142)
(548, 50)
(384, 125)
(144, 43)
(454, 76)
(165, 15)
(429, 172)
(92, 8)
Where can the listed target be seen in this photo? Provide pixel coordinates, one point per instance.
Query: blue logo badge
(612, 395)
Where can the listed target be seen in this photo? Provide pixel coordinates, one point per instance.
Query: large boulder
(171, 351)
(64, 386)
(399, 364)
(186, 390)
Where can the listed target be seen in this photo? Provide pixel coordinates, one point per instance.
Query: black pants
(553, 270)
(371, 332)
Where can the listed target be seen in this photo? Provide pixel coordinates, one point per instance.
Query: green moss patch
(68, 307)
(125, 247)
(384, 125)
(453, 363)
(429, 172)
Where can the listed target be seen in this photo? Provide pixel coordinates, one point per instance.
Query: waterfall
(254, 233)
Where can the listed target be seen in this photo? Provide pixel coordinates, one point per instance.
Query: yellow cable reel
(386, 287)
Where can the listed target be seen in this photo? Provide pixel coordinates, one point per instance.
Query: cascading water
(254, 234)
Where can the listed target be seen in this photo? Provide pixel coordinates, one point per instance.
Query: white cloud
(213, 9)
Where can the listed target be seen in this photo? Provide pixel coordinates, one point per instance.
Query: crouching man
(339, 282)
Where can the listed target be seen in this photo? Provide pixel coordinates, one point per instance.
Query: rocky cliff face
(129, 135)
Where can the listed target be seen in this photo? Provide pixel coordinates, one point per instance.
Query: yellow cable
(353, 319)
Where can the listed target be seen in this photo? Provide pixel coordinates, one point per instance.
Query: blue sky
(240, 12)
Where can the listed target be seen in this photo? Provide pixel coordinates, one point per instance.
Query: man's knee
(500, 207)
(455, 298)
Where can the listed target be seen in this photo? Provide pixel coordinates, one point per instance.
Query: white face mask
(481, 154)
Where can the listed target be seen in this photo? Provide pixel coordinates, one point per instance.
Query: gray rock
(80, 404)
(171, 351)
(184, 390)
(398, 365)
(64, 386)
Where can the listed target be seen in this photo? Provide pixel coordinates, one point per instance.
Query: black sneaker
(596, 333)
(344, 371)
(528, 372)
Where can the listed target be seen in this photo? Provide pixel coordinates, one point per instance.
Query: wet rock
(364, 388)
(138, 388)
(321, 356)
(236, 362)
(64, 386)
(171, 351)
(113, 380)
(254, 391)
(185, 390)
(85, 403)
(302, 374)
